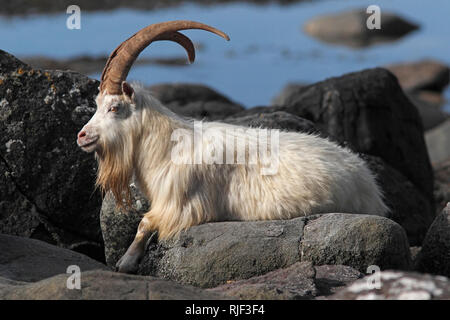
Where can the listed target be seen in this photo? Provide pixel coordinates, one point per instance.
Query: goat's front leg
(129, 262)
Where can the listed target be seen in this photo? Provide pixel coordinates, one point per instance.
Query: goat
(132, 136)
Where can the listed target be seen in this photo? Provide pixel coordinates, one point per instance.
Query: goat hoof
(127, 264)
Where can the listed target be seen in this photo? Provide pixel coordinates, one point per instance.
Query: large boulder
(349, 28)
(358, 241)
(396, 285)
(30, 260)
(195, 101)
(435, 254)
(369, 112)
(47, 186)
(211, 254)
(103, 285)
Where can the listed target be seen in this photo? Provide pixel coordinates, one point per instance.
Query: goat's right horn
(122, 58)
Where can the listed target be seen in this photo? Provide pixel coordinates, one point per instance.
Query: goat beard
(115, 169)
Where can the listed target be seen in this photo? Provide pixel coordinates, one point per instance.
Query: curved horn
(122, 58)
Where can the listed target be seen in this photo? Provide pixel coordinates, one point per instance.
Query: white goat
(133, 135)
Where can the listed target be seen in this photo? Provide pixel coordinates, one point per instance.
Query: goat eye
(113, 109)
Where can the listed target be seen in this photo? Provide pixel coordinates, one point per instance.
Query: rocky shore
(51, 217)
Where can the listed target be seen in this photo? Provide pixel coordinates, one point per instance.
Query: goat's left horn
(122, 58)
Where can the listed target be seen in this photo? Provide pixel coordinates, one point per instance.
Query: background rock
(397, 285)
(442, 184)
(438, 142)
(276, 120)
(195, 101)
(421, 75)
(32, 260)
(349, 28)
(409, 207)
(48, 182)
(354, 240)
(104, 285)
(435, 254)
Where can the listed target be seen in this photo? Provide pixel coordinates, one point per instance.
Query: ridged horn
(123, 57)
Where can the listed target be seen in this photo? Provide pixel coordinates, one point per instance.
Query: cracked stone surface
(47, 183)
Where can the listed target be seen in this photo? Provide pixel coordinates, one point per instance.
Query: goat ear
(127, 89)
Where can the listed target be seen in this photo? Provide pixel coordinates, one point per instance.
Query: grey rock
(396, 285)
(299, 281)
(330, 278)
(47, 182)
(30, 260)
(292, 283)
(409, 207)
(104, 285)
(276, 120)
(119, 225)
(288, 90)
(442, 184)
(358, 241)
(195, 101)
(349, 28)
(211, 254)
(438, 142)
(421, 75)
(431, 113)
(435, 254)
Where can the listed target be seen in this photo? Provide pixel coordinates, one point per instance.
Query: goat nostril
(82, 134)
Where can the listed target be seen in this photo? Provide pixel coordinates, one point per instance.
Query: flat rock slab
(29, 260)
(395, 285)
(103, 285)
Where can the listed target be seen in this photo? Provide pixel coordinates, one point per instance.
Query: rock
(47, 188)
(30, 260)
(349, 28)
(104, 285)
(431, 113)
(195, 101)
(435, 254)
(292, 283)
(119, 225)
(421, 75)
(442, 184)
(396, 285)
(289, 90)
(276, 120)
(368, 112)
(209, 255)
(438, 142)
(330, 278)
(354, 240)
(297, 282)
(409, 207)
